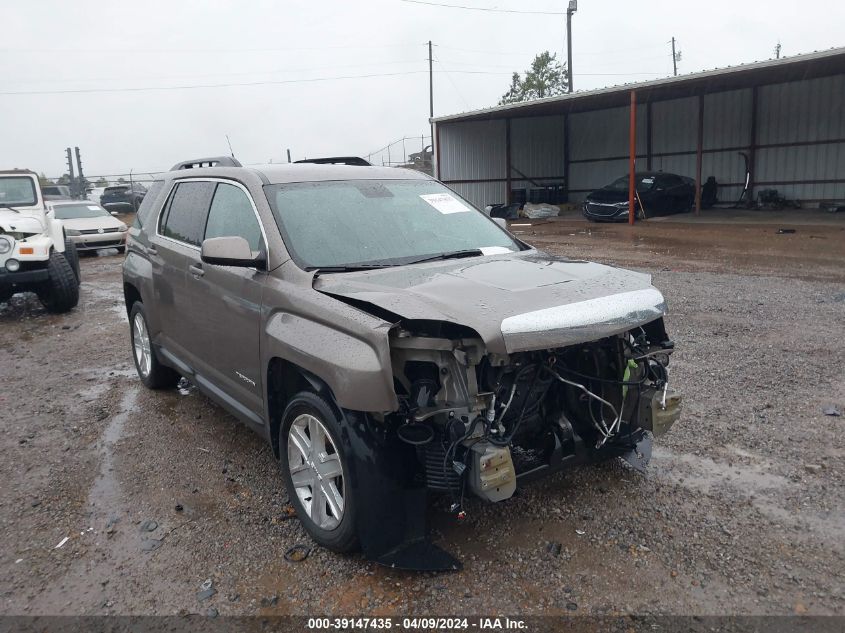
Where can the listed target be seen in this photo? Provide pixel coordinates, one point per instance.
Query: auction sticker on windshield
(445, 203)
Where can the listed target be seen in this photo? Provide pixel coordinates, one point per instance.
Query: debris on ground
(149, 526)
(270, 602)
(288, 512)
(150, 544)
(785, 231)
(813, 468)
(539, 211)
(297, 553)
(62, 542)
(206, 590)
(185, 387)
(832, 410)
(554, 548)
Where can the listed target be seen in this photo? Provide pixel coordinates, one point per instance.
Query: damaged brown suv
(389, 341)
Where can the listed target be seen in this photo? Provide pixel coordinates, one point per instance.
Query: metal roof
(795, 68)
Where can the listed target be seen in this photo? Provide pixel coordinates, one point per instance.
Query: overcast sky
(50, 46)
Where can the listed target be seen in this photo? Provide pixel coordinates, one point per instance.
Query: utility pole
(573, 7)
(675, 58)
(430, 83)
(70, 170)
(81, 187)
(430, 102)
(288, 155)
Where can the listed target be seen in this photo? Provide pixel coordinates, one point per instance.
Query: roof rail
(214, 161)
(338, 160)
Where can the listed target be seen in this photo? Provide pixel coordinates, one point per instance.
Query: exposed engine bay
(480, 422)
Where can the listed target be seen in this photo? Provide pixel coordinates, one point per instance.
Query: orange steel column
(632, 159)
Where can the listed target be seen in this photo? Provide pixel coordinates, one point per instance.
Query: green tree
(43, 180)
(101, 182)
(546, 77)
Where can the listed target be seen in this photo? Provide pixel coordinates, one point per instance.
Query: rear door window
(184, 219)
(147, 203)
(232, 214)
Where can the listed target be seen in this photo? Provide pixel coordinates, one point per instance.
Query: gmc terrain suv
(389, 340)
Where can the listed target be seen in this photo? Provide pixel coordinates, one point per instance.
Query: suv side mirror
(230, 251)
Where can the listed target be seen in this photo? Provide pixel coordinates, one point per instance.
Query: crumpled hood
(516, 302)
(11, 222)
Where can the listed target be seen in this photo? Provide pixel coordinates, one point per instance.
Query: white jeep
(35, 254)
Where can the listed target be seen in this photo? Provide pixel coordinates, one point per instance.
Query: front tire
(316, 472)
(72, 256)
(152, 373)
(60, 293)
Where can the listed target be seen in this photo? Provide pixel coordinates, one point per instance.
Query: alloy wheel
(141, 345)
(316, 471)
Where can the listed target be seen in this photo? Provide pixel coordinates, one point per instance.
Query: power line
(222, 85)
(286, 81)
(487, 9)
(18, 49)
(452, 81)
(237, 74)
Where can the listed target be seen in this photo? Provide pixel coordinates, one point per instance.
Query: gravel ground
(740, 512)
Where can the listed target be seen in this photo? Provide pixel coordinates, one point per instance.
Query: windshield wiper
(345, 269)
(3, 206)
(472, 252)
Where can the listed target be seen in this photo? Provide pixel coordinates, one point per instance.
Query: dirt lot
(740, 512)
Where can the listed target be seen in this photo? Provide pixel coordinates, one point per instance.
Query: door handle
(152, 250)
(196, 270)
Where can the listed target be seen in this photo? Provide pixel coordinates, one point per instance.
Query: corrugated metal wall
(601, 137)
(472, 151)
(806, 115)
(727, 124)
(799, 112)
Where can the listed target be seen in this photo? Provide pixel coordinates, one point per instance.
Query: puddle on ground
(104, 497)
(767, 491)
(705, 475)
(105, 293)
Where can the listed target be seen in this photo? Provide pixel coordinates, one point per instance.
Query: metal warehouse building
(786, 116)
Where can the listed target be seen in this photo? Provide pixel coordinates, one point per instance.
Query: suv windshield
(385, 222)
(71, 211)
(17, 191)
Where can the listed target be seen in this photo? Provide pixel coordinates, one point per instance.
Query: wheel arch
(131, 296)
(284, 380)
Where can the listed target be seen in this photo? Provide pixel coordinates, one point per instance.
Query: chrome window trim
(226, 181)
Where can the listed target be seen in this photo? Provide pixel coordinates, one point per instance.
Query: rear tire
(60, 293)
(152, 373)
(323, 476)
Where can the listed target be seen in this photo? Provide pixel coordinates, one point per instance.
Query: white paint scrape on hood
(584, 320)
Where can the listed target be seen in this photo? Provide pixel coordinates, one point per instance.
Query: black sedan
(658, 193)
